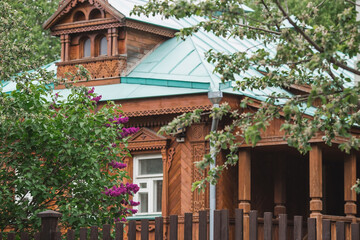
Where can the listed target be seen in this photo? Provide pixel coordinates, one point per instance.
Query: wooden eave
(68, 5)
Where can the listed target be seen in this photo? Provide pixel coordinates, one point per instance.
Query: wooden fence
(266, 228)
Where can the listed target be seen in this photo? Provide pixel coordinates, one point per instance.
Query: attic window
(79, 16)
(87, 48)
(94, 14)
(103, 46)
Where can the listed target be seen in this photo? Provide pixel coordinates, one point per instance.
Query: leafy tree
(315, 51)
(24, 44)
(61, 153)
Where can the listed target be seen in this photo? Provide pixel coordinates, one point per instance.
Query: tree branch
(258, 29)
(314, 44)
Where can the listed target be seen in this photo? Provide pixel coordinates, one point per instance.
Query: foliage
(316, 54)
(24, 44)
(61, 153)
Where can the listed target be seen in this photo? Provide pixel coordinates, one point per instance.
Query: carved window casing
(148, 175)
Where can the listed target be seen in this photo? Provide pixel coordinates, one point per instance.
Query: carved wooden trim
(87, 28)
(171, 153)
(162, 31)
(146, 139)
(198, 199)
(166, 111)
(90, 60)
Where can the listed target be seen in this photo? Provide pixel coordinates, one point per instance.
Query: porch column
(115, 50)
(62, 41)
(349, 180)
(67, 47)
(279, 187)
(244, 190)
(109, 42)
(315, 181)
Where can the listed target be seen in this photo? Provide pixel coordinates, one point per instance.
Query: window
(103, 46)
(148, 174)
(79, 16)
(87, 48)
(94, 14)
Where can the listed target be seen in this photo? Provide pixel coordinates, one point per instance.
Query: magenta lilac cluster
(118, 165)
(91, 91)
(118, 120)
(115, 191)
(96, 99)
(128, 131)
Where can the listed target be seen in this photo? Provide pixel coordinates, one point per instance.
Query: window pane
(103, 46)
(87, 48)
(150, 166)
(157, 195)
(143, 197)
(143, 185)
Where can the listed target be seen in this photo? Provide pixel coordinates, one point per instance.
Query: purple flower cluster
(134, 204)
(118, 165)
(129, 188)
(91, 91)
(118, 120)
(128, 131)
(96, 99)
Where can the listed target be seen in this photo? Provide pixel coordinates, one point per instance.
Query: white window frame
(149, 179)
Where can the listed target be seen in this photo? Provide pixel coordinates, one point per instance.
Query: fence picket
(119, 231)
(268, 226)
(225, 224)
(94, 233)
(132, 230)
(239, 224)
(83, 233)
(70, 234)
(173, 227)
(298, 223)
(282, 226)
(203, 225)
(144, 229)
(311, 229)
(24, 236)
(326, 231)
(159, 228)
(37, 236)
(11, 236)
(355, 231)
(188, 226)
(340, 230)
(217, 224)
(253, 221)
(56, 235)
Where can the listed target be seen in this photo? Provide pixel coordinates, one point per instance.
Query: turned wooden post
(316, 191)
(62, 41)
(244, 181)
(67, 47)
(109, 42)
(279, 187)
(349, 181)
(49, 221)
(115, 46)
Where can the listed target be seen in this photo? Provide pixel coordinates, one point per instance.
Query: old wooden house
(137, 62)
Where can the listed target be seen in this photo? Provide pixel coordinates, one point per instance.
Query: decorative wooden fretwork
(92, 25)
(99, 68)
(150, 28)
(198, 199)
(171, 153)
(146, 139)
(150, 112)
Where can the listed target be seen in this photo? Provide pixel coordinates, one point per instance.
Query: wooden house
(138, 63)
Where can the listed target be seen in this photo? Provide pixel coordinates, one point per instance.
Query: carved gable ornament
(67, 5)
(146, 139)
